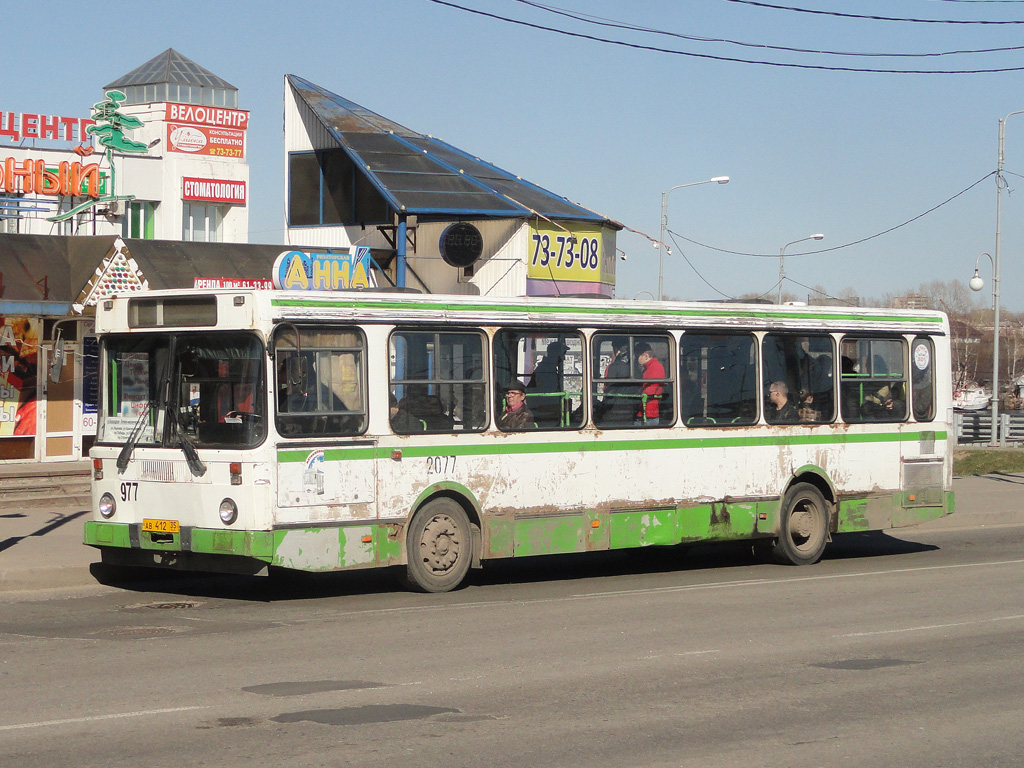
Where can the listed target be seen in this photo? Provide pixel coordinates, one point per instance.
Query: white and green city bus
(243, 429)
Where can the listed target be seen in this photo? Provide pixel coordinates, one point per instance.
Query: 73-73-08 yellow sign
(555, 253)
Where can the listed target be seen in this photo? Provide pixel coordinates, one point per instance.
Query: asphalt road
(903, 649)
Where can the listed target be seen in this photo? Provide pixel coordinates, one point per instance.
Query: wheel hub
(440, 545)
(801, 523)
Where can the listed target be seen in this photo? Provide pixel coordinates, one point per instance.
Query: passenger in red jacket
(648, 414)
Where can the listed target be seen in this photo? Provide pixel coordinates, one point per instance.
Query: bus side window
(798, 378)
(873, 384)
(549, 363)
(320, 383)
(633, 380)
(438, 380)
(922, 379)
(718, 379)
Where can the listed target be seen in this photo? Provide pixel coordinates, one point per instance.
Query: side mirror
(57, 360)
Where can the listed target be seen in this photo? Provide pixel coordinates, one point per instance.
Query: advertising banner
(90, 383)
(202, 130)
(299, 271)
(233, 282)
(204, 140)
(19, 347)
(18, 126)
(213, 190)
(570, 253)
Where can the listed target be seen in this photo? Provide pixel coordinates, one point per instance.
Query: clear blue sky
(842, 153)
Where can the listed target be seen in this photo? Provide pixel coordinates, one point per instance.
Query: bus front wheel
(440, 547)
(803, 527)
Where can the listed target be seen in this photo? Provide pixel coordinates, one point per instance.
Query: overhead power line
(605, 22)
(691, 54)
(774, 7)
(843, 245)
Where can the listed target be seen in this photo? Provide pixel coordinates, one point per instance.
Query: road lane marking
(696, 653)
(96, 718)
(932, 626)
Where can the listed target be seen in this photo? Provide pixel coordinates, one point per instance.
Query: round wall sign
(461, 244)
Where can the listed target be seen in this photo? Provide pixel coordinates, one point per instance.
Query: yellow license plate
(160, 526)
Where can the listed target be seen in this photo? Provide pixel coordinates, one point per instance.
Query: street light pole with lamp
(782, 258)
(664, 226)
(995, 276)
(976, 284)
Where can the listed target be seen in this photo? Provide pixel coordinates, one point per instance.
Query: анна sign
(299, 271)
(213, 190)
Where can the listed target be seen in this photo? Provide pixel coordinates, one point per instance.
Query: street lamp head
(660, 244)
(976, 282)
(817, 237)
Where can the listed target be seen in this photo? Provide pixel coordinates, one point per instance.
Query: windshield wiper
(195, 464)
(133, 437)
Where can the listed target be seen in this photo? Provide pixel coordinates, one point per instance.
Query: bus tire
(803, 526)
(439, 547)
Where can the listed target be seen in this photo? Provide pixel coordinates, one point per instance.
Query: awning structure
(35, 274)
(43, 275)
(175, 264)
(34, 308)
(423, 176)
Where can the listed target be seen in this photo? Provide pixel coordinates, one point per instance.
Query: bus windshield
(160, 389)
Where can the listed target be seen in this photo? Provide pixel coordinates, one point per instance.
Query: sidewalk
(41, 547)
(42, 508)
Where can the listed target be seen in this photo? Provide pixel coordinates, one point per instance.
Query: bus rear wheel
(439, 547)
(803, 527)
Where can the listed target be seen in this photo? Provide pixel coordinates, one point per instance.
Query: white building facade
(161, 156)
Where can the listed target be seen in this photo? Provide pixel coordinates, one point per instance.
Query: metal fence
(976, 427)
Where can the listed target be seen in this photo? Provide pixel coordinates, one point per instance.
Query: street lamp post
(976, 284)
(1000, 182)
(664, 226)
(782, 258)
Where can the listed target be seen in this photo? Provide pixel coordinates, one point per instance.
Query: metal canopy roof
(423, 176)
(52, 269)
(171, 67)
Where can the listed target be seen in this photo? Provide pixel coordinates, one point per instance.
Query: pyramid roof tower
(171, 67)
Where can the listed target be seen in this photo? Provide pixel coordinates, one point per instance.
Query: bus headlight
(107, 506)
(228, 512)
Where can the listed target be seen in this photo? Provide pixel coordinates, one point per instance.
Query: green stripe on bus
(504, 448)
(597, 310)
